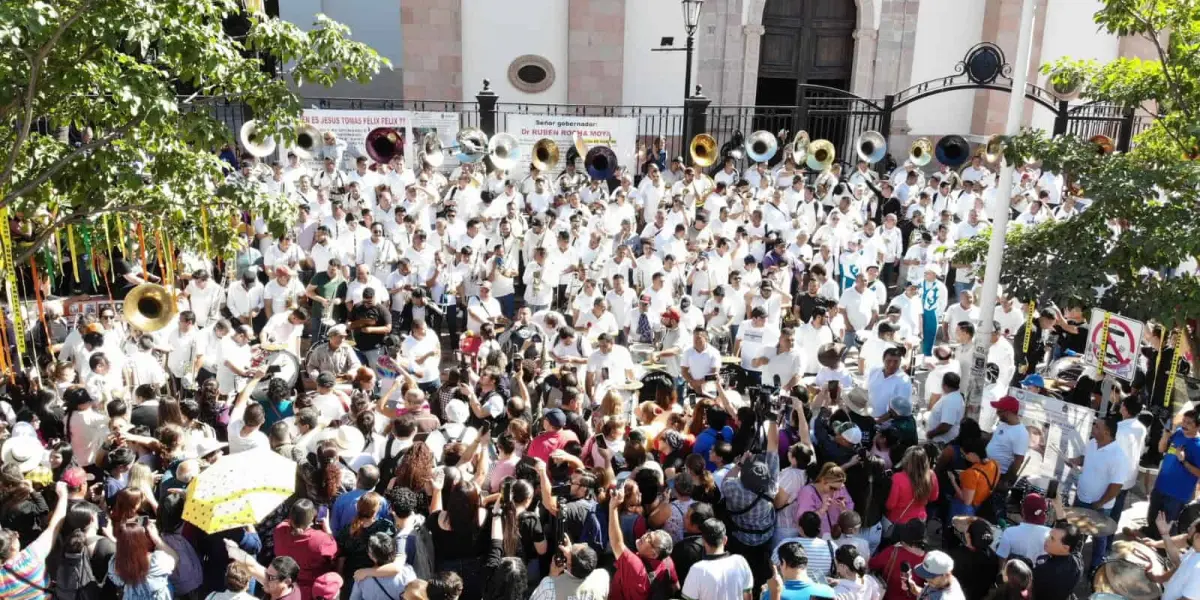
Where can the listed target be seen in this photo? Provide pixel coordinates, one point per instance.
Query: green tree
(140, 74)
(1144, 218)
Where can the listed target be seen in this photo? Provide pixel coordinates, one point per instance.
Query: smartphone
(601, 442)
(905, 567)
(710, 377)
(273, 369)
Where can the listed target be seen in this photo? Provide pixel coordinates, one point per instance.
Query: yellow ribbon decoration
(74, 252)
(1028, 328)
(1170, 391)
(121, 237)
(1102, 355)
(11, 273)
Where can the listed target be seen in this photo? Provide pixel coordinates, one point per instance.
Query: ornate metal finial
(699, 90)
(984, 63)
(487, 85)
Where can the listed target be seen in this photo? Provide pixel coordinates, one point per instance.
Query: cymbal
(273, 347)
(629, 386)
(652, 366)
(731, 360)
(1090, 521)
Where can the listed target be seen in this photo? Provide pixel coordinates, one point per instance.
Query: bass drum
(1066, 371)
(1124, 572)
(652, 382)
(288, 371)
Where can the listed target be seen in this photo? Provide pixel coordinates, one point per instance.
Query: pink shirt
(809, 500)
(901, 506)
(501, 470)
(543, 445)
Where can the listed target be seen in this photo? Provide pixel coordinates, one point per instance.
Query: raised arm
(615, 540)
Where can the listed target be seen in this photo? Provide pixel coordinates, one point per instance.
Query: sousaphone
(993, 150)
(800, 146)
(600, 162)
(761, 146)
(309, 141)
(703, 150)
(431, 150)
(545, 155)
(821, 155)
(385, 143)
(471, 146)
(920, 153)
(149, 307)
(952, 150)
(871, 147)
(736, 145)
(503, 151)
(252, 138)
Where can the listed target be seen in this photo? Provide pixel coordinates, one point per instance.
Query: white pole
(1004, 193)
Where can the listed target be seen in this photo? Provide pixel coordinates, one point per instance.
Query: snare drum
(640, 353)
(1124, 572)
(289, 372)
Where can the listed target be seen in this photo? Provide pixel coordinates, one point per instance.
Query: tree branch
(67, 159)
(70, 219)
(31, 90)
(1152, 34)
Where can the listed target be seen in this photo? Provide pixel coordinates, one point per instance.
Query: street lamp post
(691, 22)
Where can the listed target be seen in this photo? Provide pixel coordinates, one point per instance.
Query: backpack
(387, 465)
(595, 527)
(74, 580)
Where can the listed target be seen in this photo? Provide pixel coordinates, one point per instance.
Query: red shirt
(313, 550)
(891, 569)
(631, 581)
(543, 445)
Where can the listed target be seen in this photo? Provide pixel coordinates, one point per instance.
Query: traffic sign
(1120, 342)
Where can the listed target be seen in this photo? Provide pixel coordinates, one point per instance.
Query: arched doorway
(805, 41)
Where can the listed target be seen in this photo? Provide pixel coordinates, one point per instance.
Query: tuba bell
(472, 145)
(920, 152)
(385, 143)
(820, 155)
(545, 155)
(308, 141)
(993, 150)
(871, 147)
(761, 146)
(600, 162)
(1103, 143)
(800, 146)
(431, 150)
(503, 151)
(255, 143)
(703, 150)
(149, 307)
(952, 150)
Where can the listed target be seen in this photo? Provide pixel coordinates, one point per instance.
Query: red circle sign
(1114, 349)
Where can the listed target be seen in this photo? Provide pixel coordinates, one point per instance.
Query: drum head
(652, 382)
(289, 371)
(1124, 573)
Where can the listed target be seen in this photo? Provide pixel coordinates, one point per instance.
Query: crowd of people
(669, 383)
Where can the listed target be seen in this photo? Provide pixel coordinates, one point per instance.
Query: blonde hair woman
(913, 486)
(826, 496)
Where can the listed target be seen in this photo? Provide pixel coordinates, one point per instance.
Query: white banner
(1057, 431)
(619, 133)
(353, 126)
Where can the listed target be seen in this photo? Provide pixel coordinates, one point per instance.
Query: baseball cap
(327, 587)
(1034, 380)
(849, 432)
(645, 297)
(936, 564)
(1007, 404)
(671, 313)
(556, 417)
(901, 406)
(337, 330)
(326, 379)
(1033, 509)
(755, 476)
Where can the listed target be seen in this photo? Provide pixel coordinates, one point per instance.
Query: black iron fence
(825, 113)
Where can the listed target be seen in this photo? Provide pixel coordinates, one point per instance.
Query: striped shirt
(28, 566)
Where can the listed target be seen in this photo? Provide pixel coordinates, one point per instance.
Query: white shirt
(881, 389)
(950, 409)
(278, 296)
(1185, 583)
(754, 339)
(783, 366)
(238, 442)
(1102, 467)
(413, 348)
(1131, 437)
(228, 381)
(489, 308)
(701, 364)
(1007, 443)
(616, 361)
(1027, 540)
(185, 347)
(858, 307)
(957, 314)
(244, 301)
(725, 578)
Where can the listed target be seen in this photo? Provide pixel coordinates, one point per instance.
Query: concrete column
(595, 51)
(432, 34)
